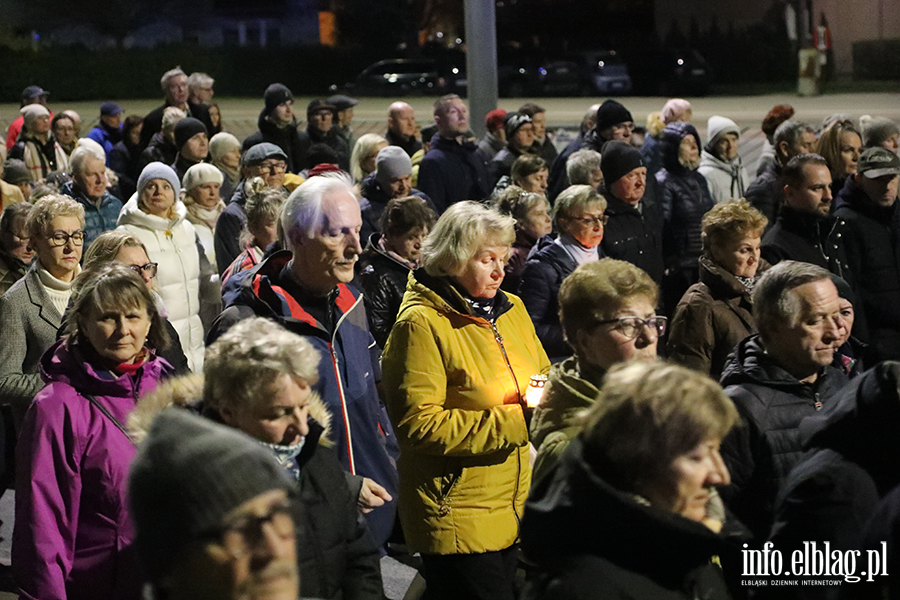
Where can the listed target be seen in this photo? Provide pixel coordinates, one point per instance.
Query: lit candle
(535, 390)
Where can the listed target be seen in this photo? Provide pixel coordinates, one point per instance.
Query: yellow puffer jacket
(452, 384)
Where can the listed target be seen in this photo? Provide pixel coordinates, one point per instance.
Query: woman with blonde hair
(362, 159)
(840, 144)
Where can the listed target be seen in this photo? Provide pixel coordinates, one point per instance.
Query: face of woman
(158, 197)
(135, 134)
(605, 345)
(688, 151)
(196, 148)
(850, 147)
(408, 245)
(848, 316)
(537, 222)
(232, 158)
(16, 242)
(585, 224)
(367, 162)
(740, 257)
(523, 138)
(118, 335)
(483, 274)
(206, 194)
(279, 417)
(60, 260)
(692, 474)
(892, 143)
(214, 116)
(134, 256)
(536, 183)
(265, 235)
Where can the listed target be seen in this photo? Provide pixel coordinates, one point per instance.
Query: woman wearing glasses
(578, 216)
(121, 247)
(716, 313)
(608, 312)
(31, 311)
(73, 534)
(157, 217)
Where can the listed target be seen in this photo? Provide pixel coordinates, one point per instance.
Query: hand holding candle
(535, 390)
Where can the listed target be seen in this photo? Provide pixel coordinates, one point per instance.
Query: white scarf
(576, 251)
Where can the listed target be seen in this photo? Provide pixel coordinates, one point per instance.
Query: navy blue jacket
(97, 219)
(349, 370)
(450, 172)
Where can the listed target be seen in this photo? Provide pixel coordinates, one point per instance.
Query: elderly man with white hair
(306, 289)
(89, 187)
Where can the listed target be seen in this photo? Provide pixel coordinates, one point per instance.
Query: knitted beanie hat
(157, 170)
(187, 128)
(221, 144)
(494, 119)
(717, 126)
(276, 94)
(513, 121)
(199, 174)
(673, 109)
(611, 113)
(619, 159)
(391, 162)
(15, 171)
(189, 473)
(876, 130)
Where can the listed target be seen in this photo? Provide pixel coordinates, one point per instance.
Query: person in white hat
(201, 184)
(720, 162)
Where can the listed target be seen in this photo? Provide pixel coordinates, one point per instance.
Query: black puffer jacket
(590, 540)
(810, 238)
(765, 192)
(160, 149)
(872, 244)
(539, 290)
(635, 236)
(851, 465)
(502, 164)
(285, 138)
(382, 280)
(762, 451)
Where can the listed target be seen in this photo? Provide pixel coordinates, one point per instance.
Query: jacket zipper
(499, 339)
(340, 384)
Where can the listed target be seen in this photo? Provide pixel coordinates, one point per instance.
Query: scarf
(576, 251)
(409, 263)
(200, 215)
(233, 174)
(38, 163)
(287, 456)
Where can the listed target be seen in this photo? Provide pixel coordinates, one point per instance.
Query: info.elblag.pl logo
(814, 564)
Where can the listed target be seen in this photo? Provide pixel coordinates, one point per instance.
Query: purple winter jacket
(73, 535)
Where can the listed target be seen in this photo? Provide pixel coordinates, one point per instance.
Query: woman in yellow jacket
(455, 370)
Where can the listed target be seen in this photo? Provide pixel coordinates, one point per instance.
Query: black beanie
(319, 154)
(276, 94)
(612, 113)
(619, 159)
(187, 128)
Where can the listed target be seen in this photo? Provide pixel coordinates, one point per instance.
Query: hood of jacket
(576, 512)
(749, 363)
(438, 293)
(723, 284)
(132, 215)
(373, 248)
(670, 145)
(731, 167)
(853, 197)
(73, 364)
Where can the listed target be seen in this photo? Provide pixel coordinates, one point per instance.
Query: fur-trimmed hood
(187, 392)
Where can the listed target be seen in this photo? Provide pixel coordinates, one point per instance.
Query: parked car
(555, 78)
(408, 76)
(605, 72)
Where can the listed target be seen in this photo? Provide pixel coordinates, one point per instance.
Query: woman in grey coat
(31, 310)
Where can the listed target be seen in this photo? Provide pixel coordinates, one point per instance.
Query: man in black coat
(868, 204)
(278, 126)
(453, 169)
(322, 129)
(175, 88)
(776, 379)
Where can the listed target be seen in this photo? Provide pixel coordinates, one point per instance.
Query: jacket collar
(443, 295)
(720, 282)
(132, 215)
(807, 225)
(39, 297)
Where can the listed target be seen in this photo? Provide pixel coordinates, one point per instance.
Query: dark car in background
(553, 78)
(669, 72)
(408, 76)
(605, 72)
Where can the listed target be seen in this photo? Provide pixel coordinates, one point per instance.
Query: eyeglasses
(593, 221)
(631, 327)
(61, 238)
(245, 534)
(272, 167)
(150, 269)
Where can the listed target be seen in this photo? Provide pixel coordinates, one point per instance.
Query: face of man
(805, 144)
(321, 120)
(196, 148)
(630, 187)
(401, 186)
(327, 259)
(91, 179)
(284, 112)
(177, 90)
(65, 133)
(726, 147)
(345, 117)
(620, 131)
(540, 126)
(112, 121)
(202, 94)
(523, 138)
(814, 194)
(271, 170)
(402, 120)
(454, 121)
(252, 558)
(806, 346)
(881, 190)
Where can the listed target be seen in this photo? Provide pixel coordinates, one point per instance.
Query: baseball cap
(878, 162)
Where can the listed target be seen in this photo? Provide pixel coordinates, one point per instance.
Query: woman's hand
(371, 496)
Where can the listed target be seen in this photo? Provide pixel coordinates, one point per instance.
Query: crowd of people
(250, 368)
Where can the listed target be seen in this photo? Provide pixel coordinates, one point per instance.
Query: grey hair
(12, 213)
(302, 213)
(790, 132)
(80, 155)
(171, 116)
(195, 80)
(168, 76)
(573, 197)
(581, 165)
(773, 304)
(243, 364)
(460, 233)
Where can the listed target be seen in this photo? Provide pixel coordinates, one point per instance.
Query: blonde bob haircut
(460, 233)
(243, 365)
(365, 146)
(48, 208)
(595, 291)
(731, 221)
(648, 414)
(573, 198)
(106, 247)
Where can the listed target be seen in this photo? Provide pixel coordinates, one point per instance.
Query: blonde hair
(648, 414)
(517, 203)
(106, 247)
(829, 146)
(573, 197)
(48, 208)
(460, 233)
(364, 146)
(731, 220)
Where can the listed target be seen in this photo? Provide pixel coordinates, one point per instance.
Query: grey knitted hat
(391, 162)
(157, 170)
(189, 473)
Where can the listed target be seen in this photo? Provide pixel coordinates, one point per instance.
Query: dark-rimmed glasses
(631, 327)
(150, 269)
(61, 238)
(243, 535)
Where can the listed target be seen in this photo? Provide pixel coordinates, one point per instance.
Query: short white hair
(196, 80)
(171, 116)
(302, 213)
(460, 233)
(169, 76)
(81, 155)
(581, 165)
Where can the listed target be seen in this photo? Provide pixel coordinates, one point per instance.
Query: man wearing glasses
(212, 513)
(262, 160)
